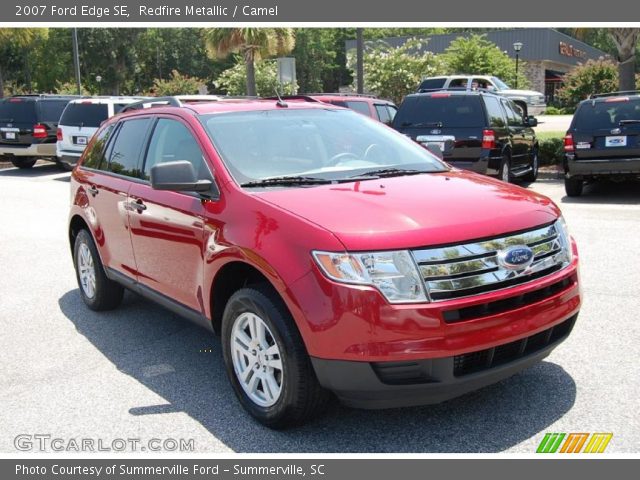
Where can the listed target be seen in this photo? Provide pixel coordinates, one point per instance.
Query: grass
(541, 136)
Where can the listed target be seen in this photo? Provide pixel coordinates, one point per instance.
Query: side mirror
(178, 176)
(532, 121)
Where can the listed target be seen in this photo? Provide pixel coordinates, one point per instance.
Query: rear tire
(24, 163)
(533, 174)
(266, 360)
(97, 291)
(504, 173)
(573, 186)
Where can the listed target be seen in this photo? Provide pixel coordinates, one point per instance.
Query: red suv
(382, 110)
(331, 253)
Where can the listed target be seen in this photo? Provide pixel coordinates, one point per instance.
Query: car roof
(348, 97)
(42, 97)
(613, 97)
(456, 92)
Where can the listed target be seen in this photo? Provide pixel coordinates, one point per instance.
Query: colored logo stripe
(550, 443)
(598, 442)
(574, 443)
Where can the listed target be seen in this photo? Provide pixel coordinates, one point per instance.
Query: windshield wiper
(287, 181)
(390, 172)
(422, 124)
(626, 122)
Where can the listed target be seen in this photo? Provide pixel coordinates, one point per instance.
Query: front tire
(97, 291)
(24, 163)
(573, 186)
(266, 360)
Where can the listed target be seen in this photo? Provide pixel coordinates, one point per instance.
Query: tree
(625, 41)
(22, 39)
(393, 72)
(477, 55)
(252, 43)
(594, 76)
(233, 80)
(177, 84)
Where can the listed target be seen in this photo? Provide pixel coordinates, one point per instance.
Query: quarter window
(514, 118)
(125, 154)
(494, 112)
(383, 114)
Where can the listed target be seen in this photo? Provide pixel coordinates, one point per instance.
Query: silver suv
(533, 102)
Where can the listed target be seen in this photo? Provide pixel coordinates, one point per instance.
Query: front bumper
(602, 167)
(34, 150)
(536, 110)
(375, 385)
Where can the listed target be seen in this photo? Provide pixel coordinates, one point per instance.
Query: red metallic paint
(182, 242)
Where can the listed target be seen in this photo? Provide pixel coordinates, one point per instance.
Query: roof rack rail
(306, 98)
(459, 89)
(341, 94)
(615, 94)
(171, 101)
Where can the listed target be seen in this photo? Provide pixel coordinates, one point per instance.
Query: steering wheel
(372, 150)
(337, 159)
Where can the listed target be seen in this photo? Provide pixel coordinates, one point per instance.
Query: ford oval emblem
(435, 131)
(616, 131)
(517, 257)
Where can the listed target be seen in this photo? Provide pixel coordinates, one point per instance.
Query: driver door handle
(138, 205)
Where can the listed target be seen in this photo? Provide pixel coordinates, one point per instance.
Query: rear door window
(124, 158)
(459, 83)
(95, 154)
(383, 114)
(51, 110)
(514, 118)
(360, 107)
(449, 110)
(84, 114)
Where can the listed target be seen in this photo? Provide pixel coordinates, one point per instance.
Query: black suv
(475, 130)
(603, 140)
(28, 125)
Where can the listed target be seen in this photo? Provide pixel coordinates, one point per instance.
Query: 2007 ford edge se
(331, 253)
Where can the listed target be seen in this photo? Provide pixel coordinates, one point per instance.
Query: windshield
(311, 143)
(500, 84)
(84, 114)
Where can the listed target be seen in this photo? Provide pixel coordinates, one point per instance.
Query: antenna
(281, 102)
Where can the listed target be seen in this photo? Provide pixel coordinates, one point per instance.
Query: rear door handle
(138, 205)
(93, 190)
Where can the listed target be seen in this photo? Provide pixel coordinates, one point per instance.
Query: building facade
(547, 54)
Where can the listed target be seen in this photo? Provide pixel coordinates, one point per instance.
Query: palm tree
(252, 43)
(626, 41)
(22, 38)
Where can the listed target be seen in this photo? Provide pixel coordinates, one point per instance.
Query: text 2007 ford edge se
(330, 252)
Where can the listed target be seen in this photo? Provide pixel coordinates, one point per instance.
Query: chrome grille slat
(462, 270)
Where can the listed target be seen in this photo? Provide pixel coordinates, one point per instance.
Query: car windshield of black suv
(608, 114)
(440, 110)
(312, 146)
(84, 115)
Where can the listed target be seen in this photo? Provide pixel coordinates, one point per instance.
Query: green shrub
(178, 84)
(233, 81)
(550, 151)
(594, 76)
(551, 110)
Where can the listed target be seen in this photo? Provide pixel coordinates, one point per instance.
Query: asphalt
(141, 372)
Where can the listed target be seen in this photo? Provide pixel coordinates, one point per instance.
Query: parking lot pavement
(141, 372)
(553, 123)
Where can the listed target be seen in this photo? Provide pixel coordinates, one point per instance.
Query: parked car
(475, 130)
(28, 128)
(329, 251)
(603, 140)
(532, 102)
(80, 120)
(376, 108)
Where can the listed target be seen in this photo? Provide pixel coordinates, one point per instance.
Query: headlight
(393, 273)
(564, 237)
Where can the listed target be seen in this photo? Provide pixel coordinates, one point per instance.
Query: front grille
(506, 304)
(474, 362)
(474, 268)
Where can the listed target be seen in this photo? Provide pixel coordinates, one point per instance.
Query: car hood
(522, 93)
(416, 211)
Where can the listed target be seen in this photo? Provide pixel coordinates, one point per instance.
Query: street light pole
(76, 59)
(517, 46)
(359, 61)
